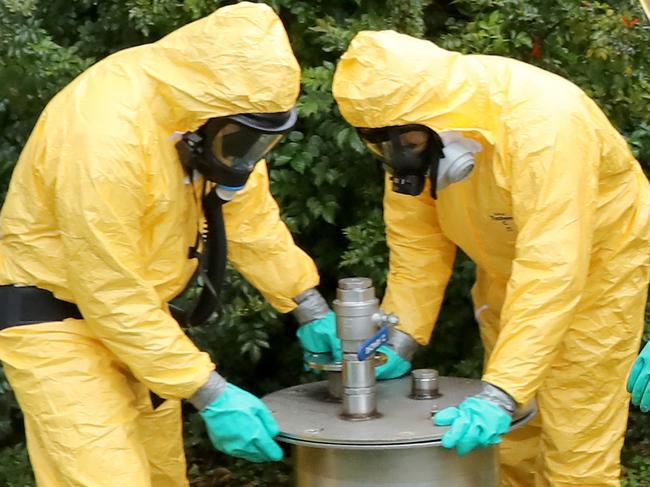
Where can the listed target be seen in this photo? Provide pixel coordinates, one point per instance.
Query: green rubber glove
(240, 425)
(638, 384)
(474, 423)
(319, 336)
(394, 367)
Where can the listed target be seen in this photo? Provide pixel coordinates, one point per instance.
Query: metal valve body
(355, 305)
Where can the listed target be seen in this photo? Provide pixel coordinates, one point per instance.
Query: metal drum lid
(307, 415)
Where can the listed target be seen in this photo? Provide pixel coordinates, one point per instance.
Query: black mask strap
(212, 263)
(434, 154)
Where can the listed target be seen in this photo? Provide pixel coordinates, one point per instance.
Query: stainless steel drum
(417, 467)
(353, 430)
(398, 448)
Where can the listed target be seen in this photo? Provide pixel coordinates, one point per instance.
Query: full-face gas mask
(411, 153)
(225, 149)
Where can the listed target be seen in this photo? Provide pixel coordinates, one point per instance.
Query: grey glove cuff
(404, 344)
(208, 392)
(311, 306)
(497, 396)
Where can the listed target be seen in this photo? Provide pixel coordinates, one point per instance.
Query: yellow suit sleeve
(261, 247)
(99, 208)
(554, 189)
(421, 261)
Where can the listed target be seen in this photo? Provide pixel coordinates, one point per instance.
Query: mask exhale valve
(458, 162)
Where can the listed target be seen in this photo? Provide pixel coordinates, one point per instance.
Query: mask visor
(396, 144)
(240, 147)
(404, 152)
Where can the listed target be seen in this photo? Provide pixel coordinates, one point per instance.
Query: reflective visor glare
(382, 149)
(409, 140)
(414, 141)
(240, 147)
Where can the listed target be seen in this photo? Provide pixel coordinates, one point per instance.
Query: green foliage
(636, 471)
(367, 254)
(9, 412)
(327, 185)
(15, 470)
(601, 46)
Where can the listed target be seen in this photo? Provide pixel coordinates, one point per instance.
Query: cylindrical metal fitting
(350, 285)
(359, 404)
(359, 396)
(358, 373)
(355, 304)
(424, 384)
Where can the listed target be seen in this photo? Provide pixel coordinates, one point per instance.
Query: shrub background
(328, 186)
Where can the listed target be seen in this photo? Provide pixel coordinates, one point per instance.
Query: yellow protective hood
(236, 60)
(556, 217)
(100, 211)
(386, 78)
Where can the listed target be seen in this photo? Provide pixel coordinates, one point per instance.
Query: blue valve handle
(369, 347)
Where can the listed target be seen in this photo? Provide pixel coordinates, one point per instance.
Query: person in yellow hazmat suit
(645, 4)
(638, 383)
(522, 171)
(103, 226)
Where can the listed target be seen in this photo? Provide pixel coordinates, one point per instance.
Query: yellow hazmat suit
(100, 212)
(556, 216)
(646, 7)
